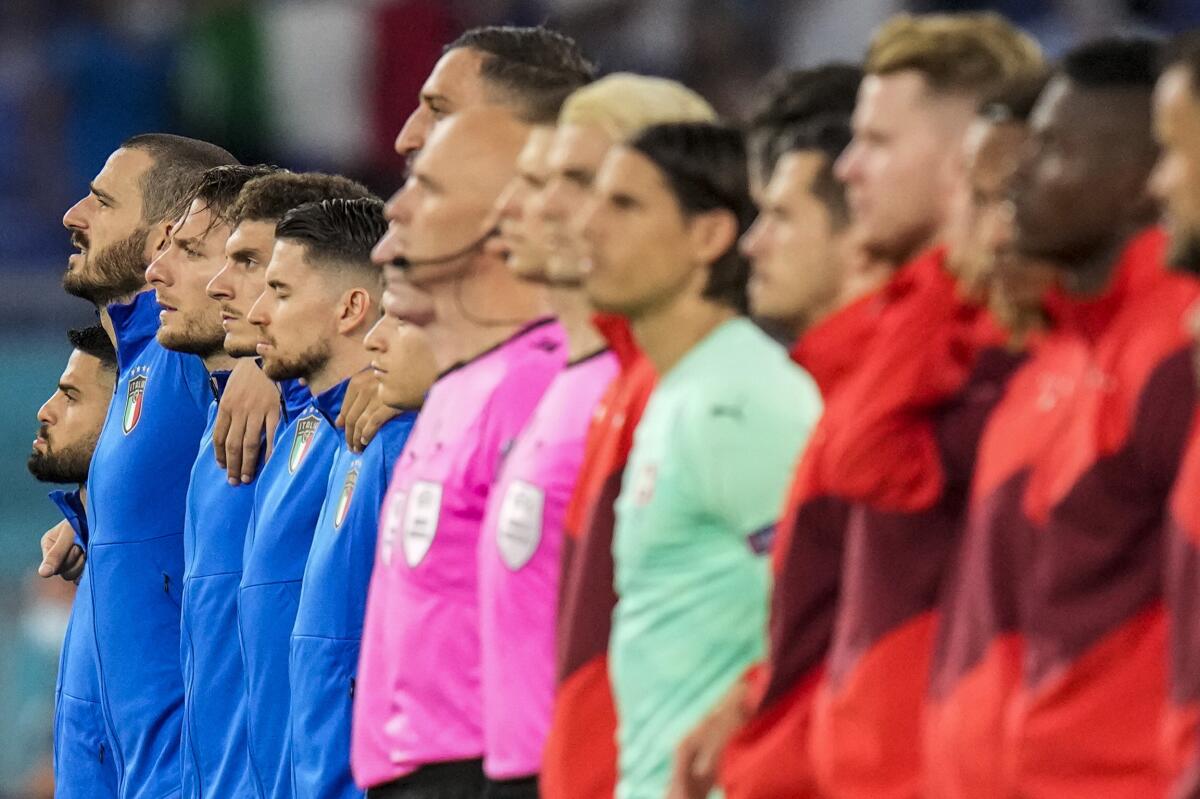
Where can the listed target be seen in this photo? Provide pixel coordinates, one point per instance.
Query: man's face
(638, 238)
(240, 281)
(1079, 180)
(979, 228)
(447, 204)
(70, 421)
(574, 159)
(107, 228)
(794, 246)
(296, 316)
(454, 84)
(522, 225)
(403, 361)
(1176, 179)
(190, 321)
(895, 168)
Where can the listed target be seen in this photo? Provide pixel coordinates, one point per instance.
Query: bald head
(446, 206)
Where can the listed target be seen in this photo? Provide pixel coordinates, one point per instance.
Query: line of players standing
(476, 493)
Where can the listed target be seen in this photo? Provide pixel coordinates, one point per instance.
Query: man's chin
(279, 370)
(190, 343)
(241, 349)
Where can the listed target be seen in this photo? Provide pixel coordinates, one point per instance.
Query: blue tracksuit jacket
(83, 761)
(135, 506)
(333, 599)
(287, 502)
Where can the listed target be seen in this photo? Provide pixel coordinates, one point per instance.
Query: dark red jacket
(977, 651)
(1182, 759)
(767, 760)
(899, 447)
(580, 759)
(1086, 719)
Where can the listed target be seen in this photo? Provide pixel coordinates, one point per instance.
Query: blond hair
(622, 104)
(956, 53)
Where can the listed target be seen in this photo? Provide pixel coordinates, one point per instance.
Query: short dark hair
(219, 187)
(93, 340)
(705, 167)
(1184, 50)
(1014, 101)
(178, 164)
(535, 67)
(1114, 62)
(268, 198)
(827, 135)
(336, 232)
(793, 99)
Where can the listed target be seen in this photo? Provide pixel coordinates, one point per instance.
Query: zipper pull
(101, 753)
(166, 583)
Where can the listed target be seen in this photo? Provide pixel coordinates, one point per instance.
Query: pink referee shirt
(418, 696)
(519, 565)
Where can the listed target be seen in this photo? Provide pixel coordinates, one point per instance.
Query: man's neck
(1090, 274)
(474, 314)
(347, 359)
(574, 313)
(106, 320)
(220, 361)
(83, 493)
(670, 332)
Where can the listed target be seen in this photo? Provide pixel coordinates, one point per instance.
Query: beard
(114, 272)
(67, 466)
(200, 336)
(304, 365)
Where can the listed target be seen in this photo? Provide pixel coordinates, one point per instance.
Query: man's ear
(157, 239)
(712, 234)
(356, 309)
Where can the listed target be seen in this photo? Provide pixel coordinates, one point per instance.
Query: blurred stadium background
(307, 84)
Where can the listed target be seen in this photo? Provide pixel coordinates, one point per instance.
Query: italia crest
(306, 430)
(134, 395)
(343, 506)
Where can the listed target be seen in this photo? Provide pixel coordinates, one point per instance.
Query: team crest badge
(133, 403)
(306, 431)
(343, 506)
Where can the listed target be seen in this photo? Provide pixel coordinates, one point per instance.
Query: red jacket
(767, 759)
(900, 448)
(580, 759)
(1183, 607)
(1086, 719)
(977, 651)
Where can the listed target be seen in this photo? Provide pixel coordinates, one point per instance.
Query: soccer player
(138, 476)
(879, 487)
(800, 245)
(68, 425)
(418, 712)
(333, 594)
(580, 758)
(317, 306)
(1109, 431)
(976, 655)
(714, 448)
(214, 760)
(800, 248)
(1176, 183)
(521, 538)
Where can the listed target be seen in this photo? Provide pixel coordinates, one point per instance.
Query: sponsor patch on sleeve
(761, 540)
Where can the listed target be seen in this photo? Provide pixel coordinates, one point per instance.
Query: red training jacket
(1085, 721)
(580, 760)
